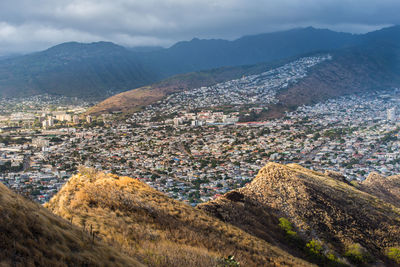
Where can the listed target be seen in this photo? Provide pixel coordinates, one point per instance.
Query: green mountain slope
(373, 66)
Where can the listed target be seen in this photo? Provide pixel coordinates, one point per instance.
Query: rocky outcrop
(321, 206)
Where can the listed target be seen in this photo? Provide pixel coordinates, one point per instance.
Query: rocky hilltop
(386, 188)
(316, 207)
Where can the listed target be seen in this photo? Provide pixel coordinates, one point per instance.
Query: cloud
(29, 25)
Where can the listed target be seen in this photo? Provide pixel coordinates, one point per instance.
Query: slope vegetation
(156, 229)
(32, 236)
(344, 220)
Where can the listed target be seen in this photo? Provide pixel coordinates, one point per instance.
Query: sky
(33, 25)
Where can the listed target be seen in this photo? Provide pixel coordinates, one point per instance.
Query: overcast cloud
(31, 25)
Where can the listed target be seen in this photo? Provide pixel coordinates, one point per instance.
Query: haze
(28, 25)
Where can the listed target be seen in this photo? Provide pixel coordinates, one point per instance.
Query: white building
(391, 114)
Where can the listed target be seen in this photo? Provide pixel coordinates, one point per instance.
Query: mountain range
(98, 70)
(286, 216)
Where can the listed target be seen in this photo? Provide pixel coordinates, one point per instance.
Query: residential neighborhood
(194, 145)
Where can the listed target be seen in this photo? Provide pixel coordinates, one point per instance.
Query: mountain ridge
(100, 69)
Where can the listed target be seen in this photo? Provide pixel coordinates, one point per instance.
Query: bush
(287, 226)
(314, 247)
(314, 250)
(229, 262)
(394, 254)
(357, 254)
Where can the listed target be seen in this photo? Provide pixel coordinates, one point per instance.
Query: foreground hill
(30, 235)
(319, 211)
(156, 229)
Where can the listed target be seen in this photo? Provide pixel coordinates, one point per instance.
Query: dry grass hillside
(156, 229)
(30, 235)
(313, 209)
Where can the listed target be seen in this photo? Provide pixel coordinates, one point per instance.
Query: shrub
(394, 254)
(229, 262)
(314, 250)
(357, 254)
(314, 247)
(287, 226)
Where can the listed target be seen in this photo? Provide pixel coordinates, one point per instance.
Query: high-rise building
(391, 114)
(75, 119)
(89, 119)
(50, 121)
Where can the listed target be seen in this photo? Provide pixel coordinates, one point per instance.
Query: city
(198, 156)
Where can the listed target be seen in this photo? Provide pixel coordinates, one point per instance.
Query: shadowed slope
(32, 236)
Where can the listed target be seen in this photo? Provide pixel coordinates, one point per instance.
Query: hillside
(32, 236)
(138, 98)
(355, 70)
(352, 70)
(156, 229)
(344, 220)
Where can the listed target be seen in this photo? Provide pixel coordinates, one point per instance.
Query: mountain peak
(79, 47)
(372, 178)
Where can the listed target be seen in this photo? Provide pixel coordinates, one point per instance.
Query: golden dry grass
(128, 101)
(30, 235)
(156, 229)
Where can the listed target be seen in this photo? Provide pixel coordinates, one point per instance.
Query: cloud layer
(30, 25)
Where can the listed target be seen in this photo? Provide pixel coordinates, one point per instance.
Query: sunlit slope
(156, 229)
(30, 235)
